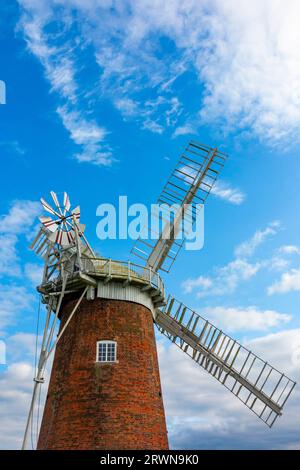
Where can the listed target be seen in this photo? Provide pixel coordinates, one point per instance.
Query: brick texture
(105, 406)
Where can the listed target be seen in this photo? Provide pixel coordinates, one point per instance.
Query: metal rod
(56, 313)
(68, 321)
(292, 388)
(34, 394)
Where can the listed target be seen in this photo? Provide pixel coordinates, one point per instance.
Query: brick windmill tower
(105, 390)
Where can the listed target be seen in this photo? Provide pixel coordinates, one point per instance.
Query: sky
(101, 98)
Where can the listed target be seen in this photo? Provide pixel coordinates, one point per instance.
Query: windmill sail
(187, 188)
(261, 387)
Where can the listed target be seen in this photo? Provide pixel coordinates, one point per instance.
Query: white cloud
(14, 300)
(289, 250)
(21, 347)
(88, 135)
(225, 281)
(283, 349)
(56, 60)
(248, 247)
(277, 263)
(154, 114)
(127, 106)
(228, 193)
(34, 272)
(184, 130)
(153, 126)
(245, 319)
(16, 386)
(15, 393)
(82, 132)
(245, 58)
(189, 284)
(60, 69)
(18, 221)
(253, 46)
(9, 260)
(227, 278)
(289, 281)
(20, 217)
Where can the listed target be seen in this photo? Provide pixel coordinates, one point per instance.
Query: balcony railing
(114, 269)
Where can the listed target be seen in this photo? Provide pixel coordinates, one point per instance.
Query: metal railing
(131, 272)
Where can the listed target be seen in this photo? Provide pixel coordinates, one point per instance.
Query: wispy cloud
(190, 284)
(13, 147)
(252, 45)
(54, 55)
(59, 57)
(185, 129)
(14, 300)
(254, 48)
(248, 247)
(88, 136)
(9, 259)
(34, 272)
(259, 87)
(20, 217)
(242, 268)
(153, 126)
(289, 281)
(15, 395)
(228, 193)
(277, 263)
(225, 281)
(18, 221)
(154, 115)
(289, 250)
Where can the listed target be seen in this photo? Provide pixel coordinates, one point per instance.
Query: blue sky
(101, 98)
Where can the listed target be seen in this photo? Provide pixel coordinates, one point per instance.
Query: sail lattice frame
(260, 386)
(188, 187)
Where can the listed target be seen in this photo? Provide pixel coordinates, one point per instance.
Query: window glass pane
(102, 352)
(111, 352)
(106, 352)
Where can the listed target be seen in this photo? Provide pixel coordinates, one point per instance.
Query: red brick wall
(105, 406)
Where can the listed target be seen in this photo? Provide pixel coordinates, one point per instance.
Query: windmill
(107, 309)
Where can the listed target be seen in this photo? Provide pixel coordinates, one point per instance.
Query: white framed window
(106, 351)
